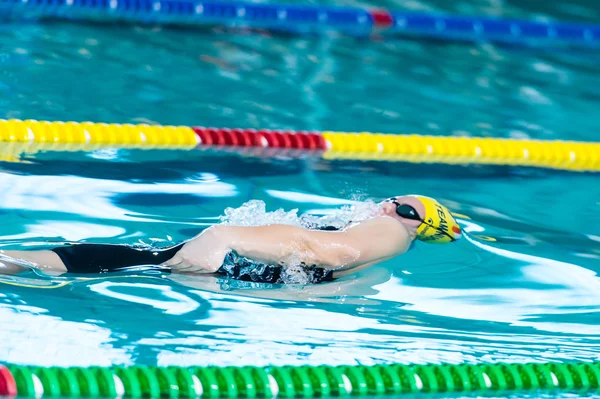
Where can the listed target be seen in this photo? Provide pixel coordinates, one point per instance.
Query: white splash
(254, 213)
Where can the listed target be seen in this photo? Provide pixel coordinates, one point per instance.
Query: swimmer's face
(389, 209)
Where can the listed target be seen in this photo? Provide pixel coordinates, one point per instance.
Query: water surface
(528, 293)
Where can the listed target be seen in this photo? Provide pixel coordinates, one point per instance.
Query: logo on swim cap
(438, 227)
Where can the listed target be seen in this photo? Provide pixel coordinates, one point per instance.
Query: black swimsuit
(103, 258)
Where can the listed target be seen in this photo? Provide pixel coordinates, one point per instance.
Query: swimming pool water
(532, 294)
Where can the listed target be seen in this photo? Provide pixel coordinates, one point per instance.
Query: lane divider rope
(31, 136)
(87, 133)
(293, 381)
(569, 155)
(299, 18)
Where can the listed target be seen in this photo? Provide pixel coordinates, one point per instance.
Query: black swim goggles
(408, 212)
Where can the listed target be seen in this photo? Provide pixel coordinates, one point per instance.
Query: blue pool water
(532, 294)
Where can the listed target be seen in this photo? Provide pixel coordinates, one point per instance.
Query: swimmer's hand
(202, 254)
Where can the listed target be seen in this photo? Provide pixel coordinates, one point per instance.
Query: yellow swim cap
(438, 227)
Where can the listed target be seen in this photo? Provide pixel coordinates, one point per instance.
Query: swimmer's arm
(368, 242)
(206, 252)
(360, 246)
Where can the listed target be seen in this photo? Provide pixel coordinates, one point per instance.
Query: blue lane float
(296, 18)
(492, 29)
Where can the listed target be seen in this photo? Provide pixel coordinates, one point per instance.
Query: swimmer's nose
(388, 208)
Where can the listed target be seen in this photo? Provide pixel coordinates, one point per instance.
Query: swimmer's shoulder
(381, 227)
(379, 222)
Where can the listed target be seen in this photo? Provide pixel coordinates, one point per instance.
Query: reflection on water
(165, 299)
(522, 285)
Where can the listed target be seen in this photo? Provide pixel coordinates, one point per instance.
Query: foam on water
(254, 213)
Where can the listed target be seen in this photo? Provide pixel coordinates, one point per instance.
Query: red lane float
(8, 386)
(300, 140)
(382, 18)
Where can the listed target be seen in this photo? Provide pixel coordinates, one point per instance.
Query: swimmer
(262, 253)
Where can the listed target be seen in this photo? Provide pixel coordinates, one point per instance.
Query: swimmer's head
(429, 220)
